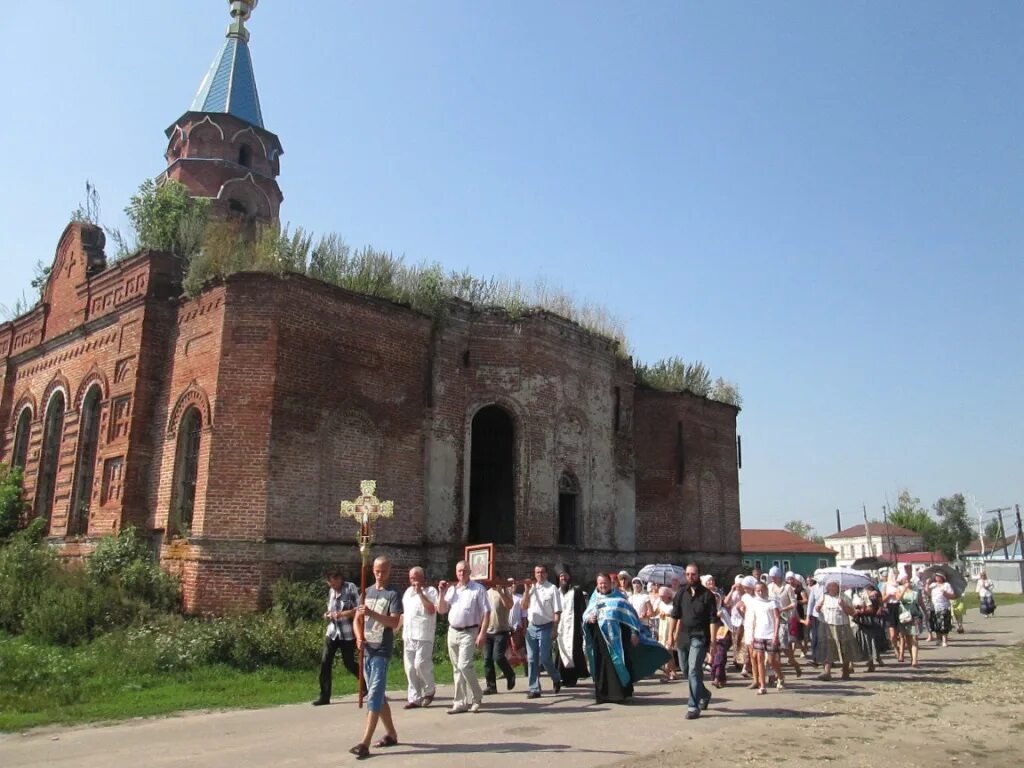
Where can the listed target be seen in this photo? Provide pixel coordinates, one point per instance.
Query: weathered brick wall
(85, 333)
(687, 478)
(559, 384)
(348, 406)
(306, 389)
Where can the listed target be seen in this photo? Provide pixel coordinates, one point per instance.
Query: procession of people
(627, 630)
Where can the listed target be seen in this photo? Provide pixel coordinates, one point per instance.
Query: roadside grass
(971, 600)
(46, 685)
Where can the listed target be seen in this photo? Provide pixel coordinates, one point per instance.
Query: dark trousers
(494, 653)
(348, 658)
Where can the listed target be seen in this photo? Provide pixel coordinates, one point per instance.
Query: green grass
(971, 600)
(43, 685)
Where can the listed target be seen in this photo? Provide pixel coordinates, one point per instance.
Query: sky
(820, 201)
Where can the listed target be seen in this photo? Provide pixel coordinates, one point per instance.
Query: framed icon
(480, 560)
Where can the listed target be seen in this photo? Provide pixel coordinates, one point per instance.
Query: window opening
(52, 435)
(21, 437)
(186, 471)
(245, 156)
(492, 477)
(85, 472)
(568, 510)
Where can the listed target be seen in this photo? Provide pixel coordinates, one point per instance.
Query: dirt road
(964, 707)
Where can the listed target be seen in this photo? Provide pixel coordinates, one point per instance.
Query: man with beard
(620, 649)
(572, 661)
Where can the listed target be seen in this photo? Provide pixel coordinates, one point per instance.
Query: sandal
(387, 741)
(361, 751)
(761, 691)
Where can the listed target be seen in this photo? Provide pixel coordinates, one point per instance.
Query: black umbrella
(953, 576)
(870, 563)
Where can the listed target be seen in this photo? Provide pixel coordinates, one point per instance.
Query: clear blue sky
(821, 201)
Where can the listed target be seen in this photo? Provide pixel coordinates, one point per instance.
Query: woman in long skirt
(986, 595)
(836, 643)
(870, 627)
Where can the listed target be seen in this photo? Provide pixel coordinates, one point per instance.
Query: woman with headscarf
(663, 611)
(619, 647)
(836, 643)
(870, 632)
(942, 595)
(986, 595)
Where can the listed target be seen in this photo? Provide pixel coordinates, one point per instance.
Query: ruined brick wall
(686, 477)
(559, 383)
(85, 334)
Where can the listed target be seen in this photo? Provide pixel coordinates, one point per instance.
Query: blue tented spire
(230, 85)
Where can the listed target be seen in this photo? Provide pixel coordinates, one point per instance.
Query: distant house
(975, 556)
(876, 539)
(917, 560)
(764, 547)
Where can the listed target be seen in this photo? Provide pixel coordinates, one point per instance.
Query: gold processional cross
(365, 509)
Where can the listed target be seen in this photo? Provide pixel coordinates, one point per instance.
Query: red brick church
(229, 427)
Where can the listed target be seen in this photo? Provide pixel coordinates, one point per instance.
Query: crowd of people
(626, 630)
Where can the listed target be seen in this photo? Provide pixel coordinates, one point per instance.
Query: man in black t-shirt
(695, 609)
(377, 619)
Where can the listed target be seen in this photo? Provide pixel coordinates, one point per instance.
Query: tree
(168, 218)
(955, 530)
(993, 533)
(804, 530)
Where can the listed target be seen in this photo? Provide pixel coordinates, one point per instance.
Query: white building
(876, 540)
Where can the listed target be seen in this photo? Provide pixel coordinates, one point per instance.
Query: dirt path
(964, 707)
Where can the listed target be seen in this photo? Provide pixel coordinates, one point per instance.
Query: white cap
(790, 575)
(738, 580)
(750, 582)
(774, 571)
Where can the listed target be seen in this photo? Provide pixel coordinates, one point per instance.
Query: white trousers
(462, 651)
(418, 657)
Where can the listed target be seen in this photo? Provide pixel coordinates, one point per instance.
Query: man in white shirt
(469, 613)
(419, 620)
(543, 607)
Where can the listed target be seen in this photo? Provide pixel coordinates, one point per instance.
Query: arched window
(85, 467)
(53, 431)
(492, 507)
(21, 437)
(245, 156)
(186, 472)
(568, 510)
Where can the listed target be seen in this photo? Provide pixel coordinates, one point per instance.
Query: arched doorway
(492, 506)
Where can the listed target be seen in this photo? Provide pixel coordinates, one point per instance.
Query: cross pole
(365, 509)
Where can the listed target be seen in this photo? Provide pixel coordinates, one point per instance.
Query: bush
(71, 609)
(12, 501)
(295, 601)
(27, 568)
(124, 561)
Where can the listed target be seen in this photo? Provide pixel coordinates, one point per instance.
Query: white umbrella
(661, 573)
(846, 578)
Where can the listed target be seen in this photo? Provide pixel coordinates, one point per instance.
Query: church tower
(219, 148)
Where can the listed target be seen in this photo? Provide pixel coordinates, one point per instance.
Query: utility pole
(1020, 533)
(1002, 534)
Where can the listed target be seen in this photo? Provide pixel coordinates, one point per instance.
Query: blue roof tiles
(230, 85)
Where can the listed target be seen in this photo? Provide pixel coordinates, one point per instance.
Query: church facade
(229, 427)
